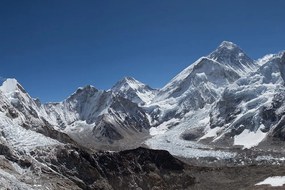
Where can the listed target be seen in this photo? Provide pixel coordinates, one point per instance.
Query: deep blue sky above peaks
(52, 47)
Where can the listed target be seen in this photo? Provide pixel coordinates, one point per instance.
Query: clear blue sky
(52, 47)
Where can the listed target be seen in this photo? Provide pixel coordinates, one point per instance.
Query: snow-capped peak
(265, 59)
(10, 85)
(134, 90)
(269, 57)
(202, 72)
(226, 49)
(228, 45)
(129, 79)
(128, 82)
(232, 56)
(88, 90)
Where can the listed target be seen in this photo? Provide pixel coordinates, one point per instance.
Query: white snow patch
(273, 181)
(202, 75)
(249, 139)
(241, 54)
(269, 158)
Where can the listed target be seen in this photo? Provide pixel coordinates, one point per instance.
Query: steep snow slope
(30, 110)
(85, 104)
(198, 85)
(13, 121)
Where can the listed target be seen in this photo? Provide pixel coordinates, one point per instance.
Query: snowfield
(275, 181)
(249, 139)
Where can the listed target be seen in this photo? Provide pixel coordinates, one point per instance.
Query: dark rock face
(276, 115)
(107, 130)
(140, 168)
(4, 150)
(270, 113)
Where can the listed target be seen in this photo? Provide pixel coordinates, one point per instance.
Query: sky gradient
(53, 47)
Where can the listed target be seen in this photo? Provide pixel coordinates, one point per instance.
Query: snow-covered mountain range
(225, 99)
(221, 104)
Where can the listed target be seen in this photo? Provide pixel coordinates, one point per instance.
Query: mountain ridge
(200, 85)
